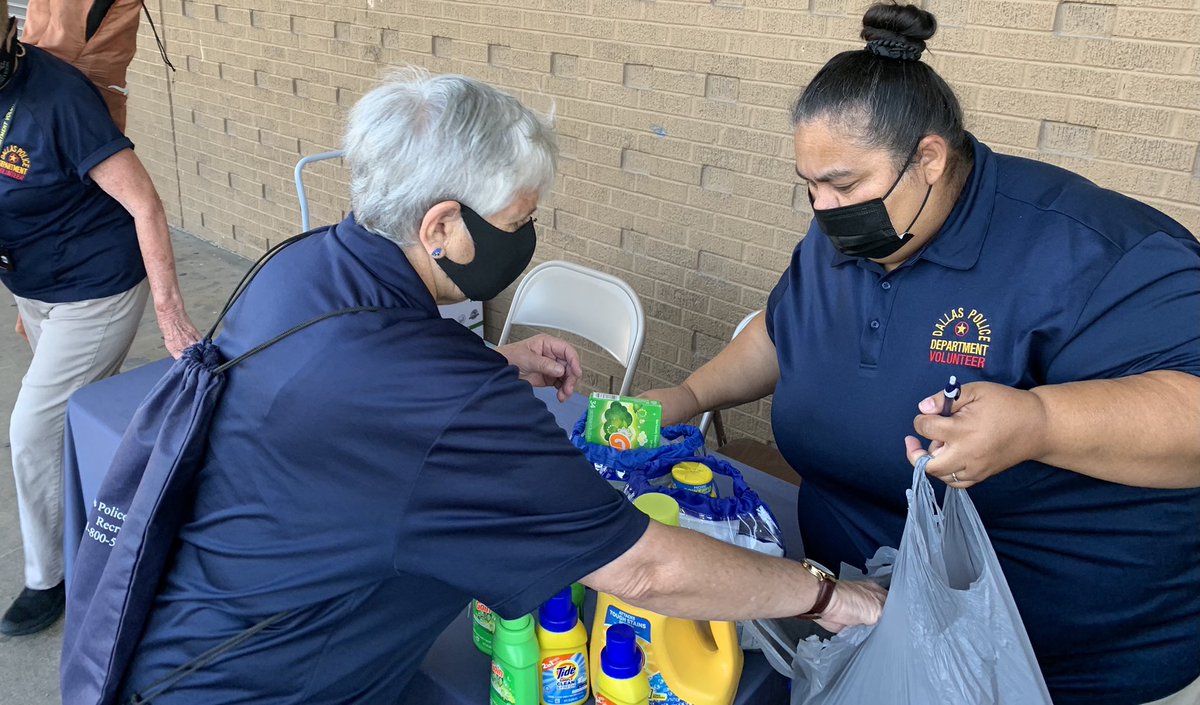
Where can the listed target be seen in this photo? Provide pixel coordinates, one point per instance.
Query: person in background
(83, 241)
(98, 38)
(373, 473)
(1071, 312)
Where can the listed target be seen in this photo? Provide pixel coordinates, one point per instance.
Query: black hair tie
(894, 49)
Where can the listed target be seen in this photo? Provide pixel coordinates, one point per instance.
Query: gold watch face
(818, 570)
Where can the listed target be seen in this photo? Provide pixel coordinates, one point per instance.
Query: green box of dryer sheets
(623, 422)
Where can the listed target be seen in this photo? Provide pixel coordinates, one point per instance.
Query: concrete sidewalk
(29, 665)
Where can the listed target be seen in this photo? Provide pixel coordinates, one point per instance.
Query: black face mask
(864, 229)
(500, 257)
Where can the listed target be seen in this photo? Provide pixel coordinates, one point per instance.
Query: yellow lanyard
(7, 122)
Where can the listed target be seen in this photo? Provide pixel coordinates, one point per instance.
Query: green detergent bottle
(483, 626)
(515, 661)
(578, 593)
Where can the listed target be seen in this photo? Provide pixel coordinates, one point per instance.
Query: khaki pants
(74, 344)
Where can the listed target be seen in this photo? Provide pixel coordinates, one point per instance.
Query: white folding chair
(579, 300)
(709, 416)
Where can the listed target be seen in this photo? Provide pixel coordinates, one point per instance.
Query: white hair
(416, 140)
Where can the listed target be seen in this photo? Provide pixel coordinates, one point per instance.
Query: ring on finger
(954, 476)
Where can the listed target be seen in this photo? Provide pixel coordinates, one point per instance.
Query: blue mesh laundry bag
(950, 631)
(678, 443)
(742, 519)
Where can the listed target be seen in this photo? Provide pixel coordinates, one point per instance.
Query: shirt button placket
(877, 318)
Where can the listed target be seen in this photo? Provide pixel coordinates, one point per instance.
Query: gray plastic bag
(950, 631)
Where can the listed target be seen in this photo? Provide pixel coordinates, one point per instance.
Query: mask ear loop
(907, 163)
(908, 231)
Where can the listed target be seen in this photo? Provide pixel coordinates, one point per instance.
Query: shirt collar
(385, 260)
(959, 241)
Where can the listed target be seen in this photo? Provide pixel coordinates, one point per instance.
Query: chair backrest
(300, 194)
(583, 301)
(707, 418)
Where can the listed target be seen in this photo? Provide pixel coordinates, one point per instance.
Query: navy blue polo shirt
(70, 240)
(373, 472)
(1038, 277)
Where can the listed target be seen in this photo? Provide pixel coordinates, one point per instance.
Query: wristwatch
(825, 584)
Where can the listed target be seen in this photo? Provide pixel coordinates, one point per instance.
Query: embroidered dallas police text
(961, 338)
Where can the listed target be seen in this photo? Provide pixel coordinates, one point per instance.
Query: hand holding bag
(950, 631)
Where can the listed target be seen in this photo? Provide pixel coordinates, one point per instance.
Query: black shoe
(33, 611)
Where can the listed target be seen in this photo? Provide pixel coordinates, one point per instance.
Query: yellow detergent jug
(687, 661)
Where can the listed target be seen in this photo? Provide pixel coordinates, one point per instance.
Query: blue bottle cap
(621, 658)
(558, 614)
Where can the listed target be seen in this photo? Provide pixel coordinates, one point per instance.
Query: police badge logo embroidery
(960, 338)
(14, 162)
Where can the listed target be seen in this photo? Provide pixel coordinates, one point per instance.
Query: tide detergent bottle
(621, 680)
(563, 644)
(687, 662)
(514, 663)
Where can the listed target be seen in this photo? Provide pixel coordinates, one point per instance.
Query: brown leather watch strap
(825, 585)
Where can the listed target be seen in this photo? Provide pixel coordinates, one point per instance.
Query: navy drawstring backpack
(146, 492)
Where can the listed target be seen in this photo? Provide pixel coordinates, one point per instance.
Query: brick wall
(677, 172)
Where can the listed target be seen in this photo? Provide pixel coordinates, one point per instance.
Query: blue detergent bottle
(621, 680)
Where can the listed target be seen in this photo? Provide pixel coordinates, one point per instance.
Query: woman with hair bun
(1070, 313)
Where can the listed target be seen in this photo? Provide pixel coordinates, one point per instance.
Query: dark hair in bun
(884, 93)
(903, 28)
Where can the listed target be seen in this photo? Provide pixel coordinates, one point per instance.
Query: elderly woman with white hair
(371, 474)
